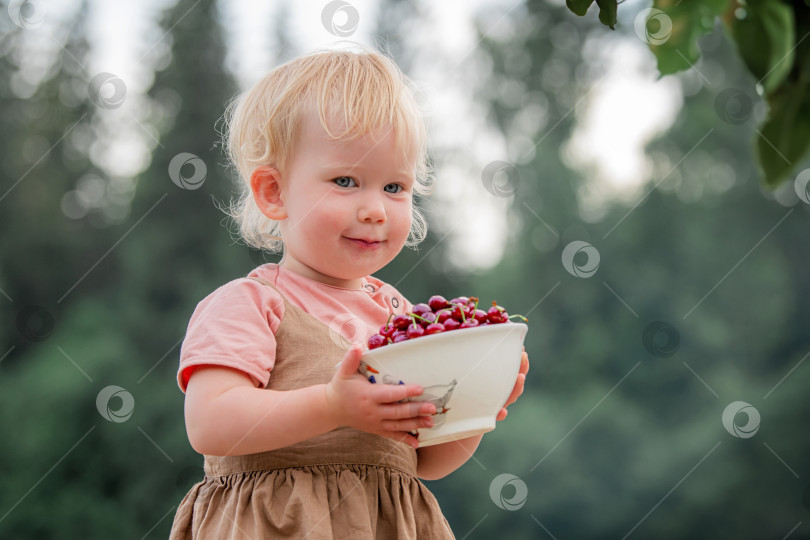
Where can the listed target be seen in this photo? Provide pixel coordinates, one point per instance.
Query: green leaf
(607, 12)
(784, 139)
(673, 27)
(579, 7)
(765, 38)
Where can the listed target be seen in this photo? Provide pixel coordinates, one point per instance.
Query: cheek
(404, 218)
(327, 215)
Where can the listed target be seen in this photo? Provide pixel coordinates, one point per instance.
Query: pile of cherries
(438, 315)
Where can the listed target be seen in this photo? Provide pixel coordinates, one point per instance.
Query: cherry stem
(521, 316)
(461, 309)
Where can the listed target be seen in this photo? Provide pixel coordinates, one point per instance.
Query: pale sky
(124, 35)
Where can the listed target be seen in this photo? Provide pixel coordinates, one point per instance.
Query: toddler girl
(331, 147)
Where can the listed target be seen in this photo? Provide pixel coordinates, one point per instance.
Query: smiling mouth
(365, 243)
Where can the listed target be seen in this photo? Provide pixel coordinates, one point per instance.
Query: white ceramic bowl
(466, 373)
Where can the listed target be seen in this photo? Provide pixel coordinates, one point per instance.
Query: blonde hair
(365, 89)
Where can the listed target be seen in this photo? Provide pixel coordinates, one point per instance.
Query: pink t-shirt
(235, 325)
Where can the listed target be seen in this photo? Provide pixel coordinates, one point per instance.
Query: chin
(362, 271)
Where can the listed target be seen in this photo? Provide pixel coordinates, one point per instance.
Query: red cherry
(451, 324)
(376, 340)
(438, 315)
(415, 331)
(496, 314)
(387, 330)
(437, 302)
(434, 328)
(428, 318)
(401, 322)
(421, 309)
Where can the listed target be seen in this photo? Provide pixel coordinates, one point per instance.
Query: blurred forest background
(699, 299)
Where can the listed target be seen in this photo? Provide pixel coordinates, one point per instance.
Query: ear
(265, 183)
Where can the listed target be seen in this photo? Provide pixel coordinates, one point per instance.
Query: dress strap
(306, 354)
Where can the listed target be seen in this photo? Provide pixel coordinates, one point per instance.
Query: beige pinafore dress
(344, 484)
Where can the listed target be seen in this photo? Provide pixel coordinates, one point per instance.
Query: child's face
(348, 204)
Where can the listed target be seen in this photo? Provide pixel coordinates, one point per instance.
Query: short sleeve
(234, 327)
(387, 296)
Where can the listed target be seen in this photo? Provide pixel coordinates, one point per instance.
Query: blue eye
(396, 188)
(344, 181)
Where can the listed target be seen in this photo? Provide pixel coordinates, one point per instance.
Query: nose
(372, 210)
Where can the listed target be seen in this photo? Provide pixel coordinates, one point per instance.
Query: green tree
(55, 228)
(770, 39)
(46, 126)
(122, 323)
(619, 433)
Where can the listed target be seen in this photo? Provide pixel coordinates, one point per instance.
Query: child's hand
(518, 389)
(373, 407)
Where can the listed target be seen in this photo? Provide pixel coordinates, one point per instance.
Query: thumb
(351, 362)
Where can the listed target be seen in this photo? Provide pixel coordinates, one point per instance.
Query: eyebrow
(352, 166)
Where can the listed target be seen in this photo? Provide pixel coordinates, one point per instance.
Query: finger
(391, 393)
(517, 390)
(350, 363)
(409, 424)
(410, 440)
(501, 415)
(408, 410)
(524, 363)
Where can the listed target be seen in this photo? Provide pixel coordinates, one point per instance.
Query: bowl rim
(403, 345)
